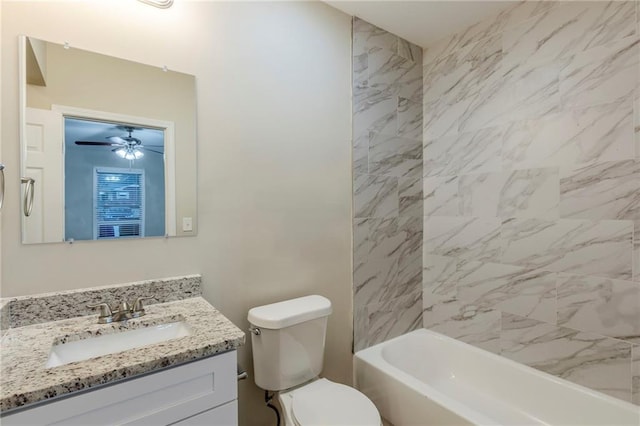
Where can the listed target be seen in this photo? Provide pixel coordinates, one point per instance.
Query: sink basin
(93, 347)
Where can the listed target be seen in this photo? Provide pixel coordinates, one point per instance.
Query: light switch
(187, 224)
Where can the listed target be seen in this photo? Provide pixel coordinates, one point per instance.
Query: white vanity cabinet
(202, 392)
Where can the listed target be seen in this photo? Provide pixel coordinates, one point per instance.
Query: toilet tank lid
(290, 312)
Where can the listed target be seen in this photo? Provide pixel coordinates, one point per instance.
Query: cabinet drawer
(166, 396)
(225, 415)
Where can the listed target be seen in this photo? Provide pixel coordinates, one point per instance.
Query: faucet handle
(105, 310)
(138, 307)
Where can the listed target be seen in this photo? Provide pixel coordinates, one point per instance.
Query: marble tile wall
(531, 189)
(387, 185)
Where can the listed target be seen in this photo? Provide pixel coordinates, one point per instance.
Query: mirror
(108, 147)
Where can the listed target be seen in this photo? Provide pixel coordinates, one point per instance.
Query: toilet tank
(288, 341)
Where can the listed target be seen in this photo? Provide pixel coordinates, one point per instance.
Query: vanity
(176, 364)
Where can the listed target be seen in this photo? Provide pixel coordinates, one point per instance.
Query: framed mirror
(108, 147)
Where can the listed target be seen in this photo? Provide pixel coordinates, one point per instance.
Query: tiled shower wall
(387, 185)
(532, 190)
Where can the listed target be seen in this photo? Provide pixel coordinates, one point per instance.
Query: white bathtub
(425, 378)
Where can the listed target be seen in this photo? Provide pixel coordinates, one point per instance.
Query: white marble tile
(386, 68)
(609, 190)
(636, 251)
(530, 193)
(635, 375)
(410, 187)
(410, 196)
(465, 39)
(574, 246)
(368, 37)
(375, 268)
(360, 327)
(374, 110)
(522, 11)
(488, 107)
(471, 152)
(604, 74)
(409, 51)
(441, 119)
(464, 72)
(409, 256)
(443, 313)
(533, 91)
(374, 280)
(361, 241)
(596, 134)
(360, 154)
(409, 119)
(360, 64)
(480, 194)
(395, 74)
(600, 305)
(521, 193)
(524, 92)
(587, 359)
(394, 317)
(441, 78)
(441, 196)
(391, 155)
(565, 30)
(462, 237)
(384, 238)
(438, 269)
(636, 109)
(375, 196)
(508, 288)
(392, 266)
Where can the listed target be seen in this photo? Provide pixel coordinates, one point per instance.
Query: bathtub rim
(374, 357)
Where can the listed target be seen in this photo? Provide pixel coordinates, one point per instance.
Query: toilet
(288, 341)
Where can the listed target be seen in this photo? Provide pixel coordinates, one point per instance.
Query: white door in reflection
(42, 162)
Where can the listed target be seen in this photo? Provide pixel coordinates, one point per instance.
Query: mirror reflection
(114, 180)
(108, 147)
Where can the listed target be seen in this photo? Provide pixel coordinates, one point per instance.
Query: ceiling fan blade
(97, 143)
(149, 149)
(117, 139)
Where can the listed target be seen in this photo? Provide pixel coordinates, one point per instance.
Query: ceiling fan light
(121, 152)
(129, 156)
(162, 4)
(138, 154)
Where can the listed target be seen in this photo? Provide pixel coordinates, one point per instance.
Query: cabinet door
(226, 415)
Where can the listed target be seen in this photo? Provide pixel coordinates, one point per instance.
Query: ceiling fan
(127, 147)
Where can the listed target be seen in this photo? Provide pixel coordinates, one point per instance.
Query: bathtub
(425, 378)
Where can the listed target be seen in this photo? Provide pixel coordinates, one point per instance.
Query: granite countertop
(25, 379)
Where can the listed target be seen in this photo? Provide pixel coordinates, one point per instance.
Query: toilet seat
(323, 402)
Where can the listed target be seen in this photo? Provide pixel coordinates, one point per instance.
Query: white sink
(93, 347)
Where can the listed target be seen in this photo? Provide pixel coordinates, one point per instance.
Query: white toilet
(288, 351)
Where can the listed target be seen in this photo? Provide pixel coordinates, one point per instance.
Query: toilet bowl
(323, 402)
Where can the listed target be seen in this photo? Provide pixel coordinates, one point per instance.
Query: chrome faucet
(121, 313)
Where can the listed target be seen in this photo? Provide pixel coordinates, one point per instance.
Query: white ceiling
(421, 22)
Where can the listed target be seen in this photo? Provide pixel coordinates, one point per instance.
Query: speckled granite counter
(25, 379)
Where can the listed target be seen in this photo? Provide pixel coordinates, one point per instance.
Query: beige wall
(274, 191)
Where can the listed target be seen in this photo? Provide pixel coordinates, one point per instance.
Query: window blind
(119, 205)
